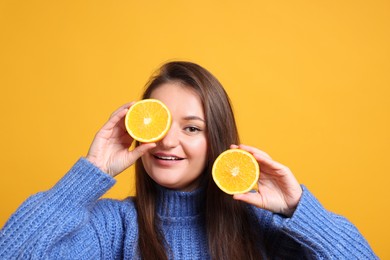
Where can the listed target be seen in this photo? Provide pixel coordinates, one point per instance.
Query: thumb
(139, 151)
(252, 198)
(128, 158)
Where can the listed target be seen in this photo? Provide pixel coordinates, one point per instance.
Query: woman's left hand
(278, 189)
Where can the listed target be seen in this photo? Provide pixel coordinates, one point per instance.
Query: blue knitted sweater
(70, 222)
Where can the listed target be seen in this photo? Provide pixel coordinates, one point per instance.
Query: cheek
(197, 149)
(146, 161)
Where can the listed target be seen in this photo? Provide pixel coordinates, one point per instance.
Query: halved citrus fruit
(236, 171)
(148, 120)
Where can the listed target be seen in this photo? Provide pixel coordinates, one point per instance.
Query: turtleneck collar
(179, 204)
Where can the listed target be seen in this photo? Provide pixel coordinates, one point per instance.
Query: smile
(167, 158)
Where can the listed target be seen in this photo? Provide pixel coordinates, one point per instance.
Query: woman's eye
(192, 129)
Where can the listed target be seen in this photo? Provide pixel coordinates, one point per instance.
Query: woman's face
(180, 157)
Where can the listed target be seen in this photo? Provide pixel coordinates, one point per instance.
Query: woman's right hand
(109, 150)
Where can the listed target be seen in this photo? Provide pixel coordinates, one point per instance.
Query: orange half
(236, 171)
(148, 120)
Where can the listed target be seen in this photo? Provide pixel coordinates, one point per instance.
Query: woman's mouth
(167, 157)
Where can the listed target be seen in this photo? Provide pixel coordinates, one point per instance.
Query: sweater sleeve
(321, 234)
(47, 224)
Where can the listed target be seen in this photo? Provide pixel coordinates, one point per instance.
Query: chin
(169, 184)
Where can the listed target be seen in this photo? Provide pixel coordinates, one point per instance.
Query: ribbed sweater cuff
(323, 231)
(308, 212)
(310, 217)
(83, 184)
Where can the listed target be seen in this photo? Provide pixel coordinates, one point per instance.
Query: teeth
(170, 158)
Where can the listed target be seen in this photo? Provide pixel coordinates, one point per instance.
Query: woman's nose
(171, 139)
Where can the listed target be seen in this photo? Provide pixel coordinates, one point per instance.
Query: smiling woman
(178, 211)
(180, 157)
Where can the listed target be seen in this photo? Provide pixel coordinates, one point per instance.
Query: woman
(178, 212)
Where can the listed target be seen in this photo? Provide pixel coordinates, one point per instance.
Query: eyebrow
(194, 118)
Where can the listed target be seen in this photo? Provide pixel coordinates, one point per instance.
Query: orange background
(309, 81)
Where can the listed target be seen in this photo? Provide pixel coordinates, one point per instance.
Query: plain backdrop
(309, 81)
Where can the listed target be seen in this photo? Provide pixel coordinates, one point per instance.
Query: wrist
(92, 160)
(294, 201)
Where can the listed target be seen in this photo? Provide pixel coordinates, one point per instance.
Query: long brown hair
(228, 229)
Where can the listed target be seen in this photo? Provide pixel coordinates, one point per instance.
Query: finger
(140, 150)
(125, 106)
(233, 146)
(117, 116)
(268, 165)
(253, 150)
(251, 198)
(114, 119)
